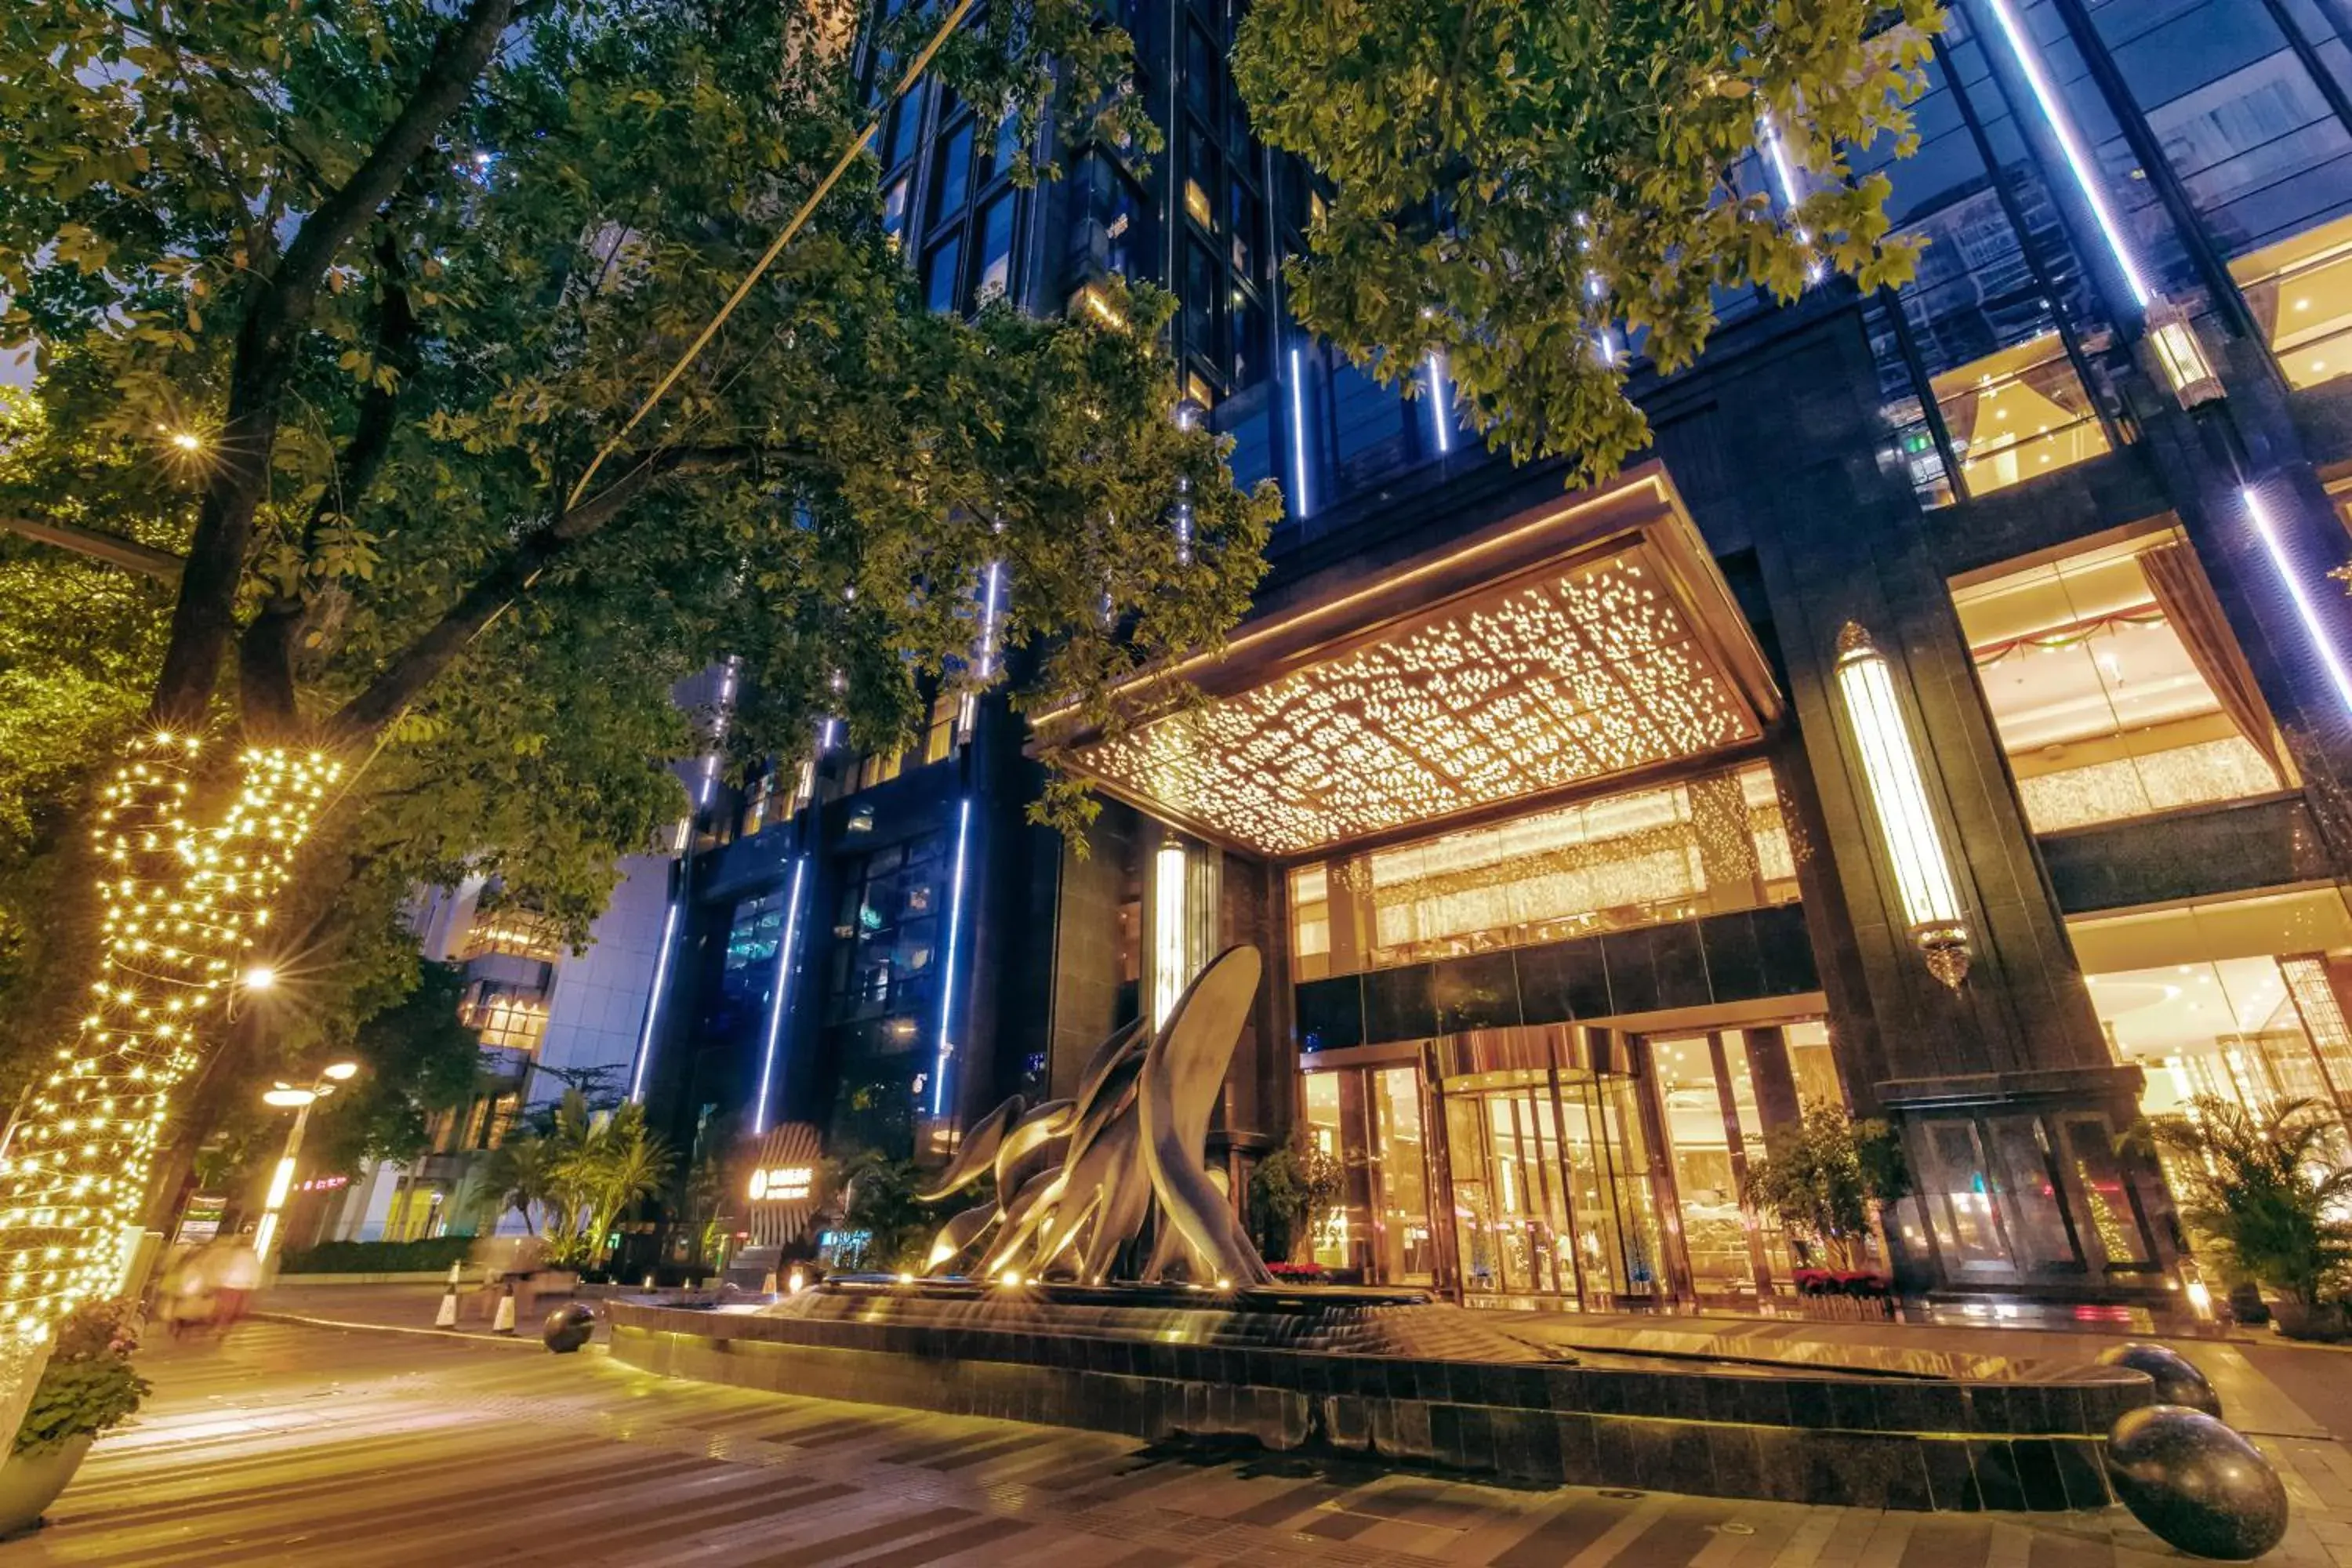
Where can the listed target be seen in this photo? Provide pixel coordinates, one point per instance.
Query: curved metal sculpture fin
(976, 1153)
(1182, 1073)
(958, 1234)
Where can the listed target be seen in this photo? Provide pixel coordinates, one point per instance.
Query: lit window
(2301, 293)
(2115, 686)
(1708, 845)
(2018, 413)
(879, 768)
(939, 739)
(2242, 1000)
(1196, 204)
(507, 1021)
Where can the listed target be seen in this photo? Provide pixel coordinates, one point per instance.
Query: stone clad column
(1838, 537)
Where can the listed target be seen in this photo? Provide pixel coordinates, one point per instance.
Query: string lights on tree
(186, 909)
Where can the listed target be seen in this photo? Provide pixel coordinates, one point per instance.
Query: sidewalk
(400, 1307)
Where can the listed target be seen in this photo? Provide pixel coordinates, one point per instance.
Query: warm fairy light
(188, 441)
(260, 978)
(1898, 796)
(1559, 681)
(183, 901)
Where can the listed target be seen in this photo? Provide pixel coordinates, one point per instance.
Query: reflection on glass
(2105, 709)
(1959, 1198)
(2018, 413)
(1714, 1226)
(1402, 1224)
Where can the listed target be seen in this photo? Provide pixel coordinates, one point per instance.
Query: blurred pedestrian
(237, 1275)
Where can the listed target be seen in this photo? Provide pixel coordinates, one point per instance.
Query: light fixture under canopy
(1555, 651)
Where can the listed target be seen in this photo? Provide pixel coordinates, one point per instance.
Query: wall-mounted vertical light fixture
(2291, 576)
(1441, 403)
(1170, 920)
(2181, 355)
(1899, 797)
(1298, 506)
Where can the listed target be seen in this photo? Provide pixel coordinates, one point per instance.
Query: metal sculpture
(1079, 1179)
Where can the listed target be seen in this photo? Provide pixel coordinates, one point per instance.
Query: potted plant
(1821, 1176)
(87, 1387)
(2262, 1191)
(1290, 1192)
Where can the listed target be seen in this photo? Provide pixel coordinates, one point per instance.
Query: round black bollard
(568, 1327)
(2195, 1483)
(2178, 1381)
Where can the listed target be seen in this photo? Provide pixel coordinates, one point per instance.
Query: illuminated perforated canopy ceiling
(1548, 654)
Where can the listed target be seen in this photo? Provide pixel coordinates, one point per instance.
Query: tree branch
(204, 617)
(115, 551)
(266, 649)
(513, 575)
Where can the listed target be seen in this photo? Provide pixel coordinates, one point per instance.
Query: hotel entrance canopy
(1563, 649)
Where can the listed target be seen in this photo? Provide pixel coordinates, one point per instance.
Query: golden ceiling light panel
(1609, 655)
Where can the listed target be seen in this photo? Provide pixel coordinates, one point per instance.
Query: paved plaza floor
(292, 1444)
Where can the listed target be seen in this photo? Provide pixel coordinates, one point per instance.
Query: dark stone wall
(1085, 997)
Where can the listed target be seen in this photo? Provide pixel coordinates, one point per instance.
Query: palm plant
(2266, 1189)
(620, 1164)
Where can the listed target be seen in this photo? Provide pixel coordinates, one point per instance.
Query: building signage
(781, 1192)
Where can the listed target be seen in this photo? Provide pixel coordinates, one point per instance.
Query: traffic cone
(447, 1318)
(504, 1323)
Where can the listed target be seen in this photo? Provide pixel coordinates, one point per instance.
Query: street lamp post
(282, 1182)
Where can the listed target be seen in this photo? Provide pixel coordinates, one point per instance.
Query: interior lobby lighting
(776, 999)
(948, 960)
(1898, 797)
(2078, 160)
(2322, 644)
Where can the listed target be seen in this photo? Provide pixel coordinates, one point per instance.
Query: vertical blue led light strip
(1298, 434)
(654, 1002)
(2085, 173)
(1785, 177)
(948, 964)
(1441, 411)
(776, 1002)
(2260, 516)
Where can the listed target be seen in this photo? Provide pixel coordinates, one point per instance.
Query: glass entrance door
(1550, 1192)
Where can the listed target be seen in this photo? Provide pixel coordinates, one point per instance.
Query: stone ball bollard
(2178, 1381)
(568, 1327)
(2196, 1484)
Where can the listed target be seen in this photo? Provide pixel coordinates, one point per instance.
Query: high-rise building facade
(1950, 718)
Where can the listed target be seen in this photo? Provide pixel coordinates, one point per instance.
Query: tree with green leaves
(1533, 191)
(417, 1059)
(1291, 1192)
(1824, 1175)
(338, 307)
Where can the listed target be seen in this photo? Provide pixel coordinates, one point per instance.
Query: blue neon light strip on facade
(1439, 412)
(948, 965)
(2078, 162)
(1299, 507)
(2320, 641)
(776, 1002)
(654, 1002)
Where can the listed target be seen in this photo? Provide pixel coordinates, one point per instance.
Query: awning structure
(1539, 659)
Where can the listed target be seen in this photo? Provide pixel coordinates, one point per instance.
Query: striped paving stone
(307, 1446)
